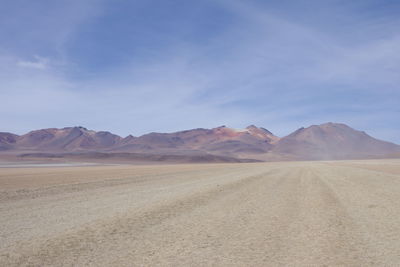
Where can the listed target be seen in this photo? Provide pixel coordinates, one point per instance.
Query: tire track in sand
(372, 202)
(323, 233)
(290, 215)
(78, 247)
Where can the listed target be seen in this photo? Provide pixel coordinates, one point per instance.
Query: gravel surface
(343, 213)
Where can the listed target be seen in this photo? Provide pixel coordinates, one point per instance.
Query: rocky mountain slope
(7, 140)
(218, 140)
(332, 141)
(325, 141)
(66, 139)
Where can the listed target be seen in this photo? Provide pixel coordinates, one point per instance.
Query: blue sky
(133, 67)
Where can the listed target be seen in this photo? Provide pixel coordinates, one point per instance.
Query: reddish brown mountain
(332, 141)
(67, 139)
(325, 141)
(220, 140)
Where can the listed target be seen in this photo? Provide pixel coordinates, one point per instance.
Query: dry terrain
(338, 213)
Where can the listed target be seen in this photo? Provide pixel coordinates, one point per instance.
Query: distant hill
(220, 144)
(67, 139)
(218, 140)
(332, 141)
(7, 141)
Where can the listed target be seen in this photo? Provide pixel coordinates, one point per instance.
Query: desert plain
(311, 213)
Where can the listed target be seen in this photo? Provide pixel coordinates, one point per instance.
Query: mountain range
(221, 144)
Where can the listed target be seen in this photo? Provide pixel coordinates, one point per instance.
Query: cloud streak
(262, 64)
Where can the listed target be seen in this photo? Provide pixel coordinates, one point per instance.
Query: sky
(133, 67)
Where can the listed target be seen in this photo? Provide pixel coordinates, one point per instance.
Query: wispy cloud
(38, 63)
(260, 64)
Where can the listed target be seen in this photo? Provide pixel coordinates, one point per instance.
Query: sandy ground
(343, 213)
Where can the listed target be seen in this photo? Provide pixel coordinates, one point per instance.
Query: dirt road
(262, 214)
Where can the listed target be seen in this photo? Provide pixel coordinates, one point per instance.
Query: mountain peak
(261, 132)
(252, 126)
(331, 124)
(75, 128)
(333, 141)
(324, 141)
(81, 127)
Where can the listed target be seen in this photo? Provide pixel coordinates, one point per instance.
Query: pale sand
(344, 213)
